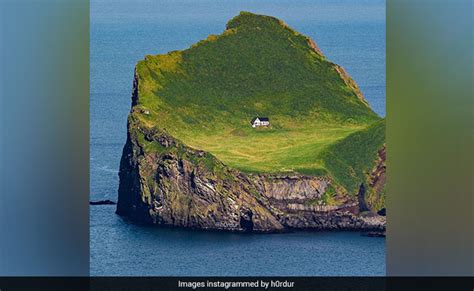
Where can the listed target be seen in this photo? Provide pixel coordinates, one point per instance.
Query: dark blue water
(122, 248)
(350, 33)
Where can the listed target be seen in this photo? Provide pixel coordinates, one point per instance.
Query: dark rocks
(246, 220)
(374, 233)
(102, 202)
(361, 198)
(382, 212)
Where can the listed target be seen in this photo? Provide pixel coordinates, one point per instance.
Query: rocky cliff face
(177, 186)
(373, 198)
(164, 182)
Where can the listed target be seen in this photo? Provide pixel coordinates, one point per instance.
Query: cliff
(192, 160)
(175, 185)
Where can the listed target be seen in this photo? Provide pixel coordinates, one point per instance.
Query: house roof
(259, 118)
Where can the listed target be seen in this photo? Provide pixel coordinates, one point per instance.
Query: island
(252, 130)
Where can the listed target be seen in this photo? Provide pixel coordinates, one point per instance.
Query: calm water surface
(350, 33)
(119, 248)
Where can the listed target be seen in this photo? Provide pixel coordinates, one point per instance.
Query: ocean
(122, 32)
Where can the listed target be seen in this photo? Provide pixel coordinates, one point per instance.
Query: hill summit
(258, 65)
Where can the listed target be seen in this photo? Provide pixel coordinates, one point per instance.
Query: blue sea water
(350, 33)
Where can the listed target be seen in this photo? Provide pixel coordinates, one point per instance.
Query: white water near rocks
(350, 33)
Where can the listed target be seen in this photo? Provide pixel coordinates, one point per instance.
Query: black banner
(235, 283)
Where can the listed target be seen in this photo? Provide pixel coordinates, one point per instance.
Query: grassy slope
(206, 96)
(351, 159)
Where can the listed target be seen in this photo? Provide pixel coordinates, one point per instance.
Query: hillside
(190, 145)
(207, 95)
(350, 159)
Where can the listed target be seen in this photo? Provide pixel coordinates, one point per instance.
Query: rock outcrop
(373, 198)
(102, 202)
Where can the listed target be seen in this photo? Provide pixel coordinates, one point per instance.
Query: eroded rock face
(295, 187)
(377, 177)
(182, 187)
(177, 186)
(372, 194)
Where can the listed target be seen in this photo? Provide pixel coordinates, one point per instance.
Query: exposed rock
(350, 83)
(377, 176)
(102, 202)
(361, 197)
(382, 212)
(314, 46)
(295, 187)
(374, 233)
(375, 192)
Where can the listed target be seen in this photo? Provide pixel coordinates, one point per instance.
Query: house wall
(260, 123)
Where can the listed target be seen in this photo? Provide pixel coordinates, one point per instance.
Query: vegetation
(351, 159)
(206, 95)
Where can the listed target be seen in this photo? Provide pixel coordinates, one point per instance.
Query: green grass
(350, 160)
(268, 150)
(206, 96)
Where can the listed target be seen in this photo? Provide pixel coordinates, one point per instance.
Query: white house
(260, 121)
